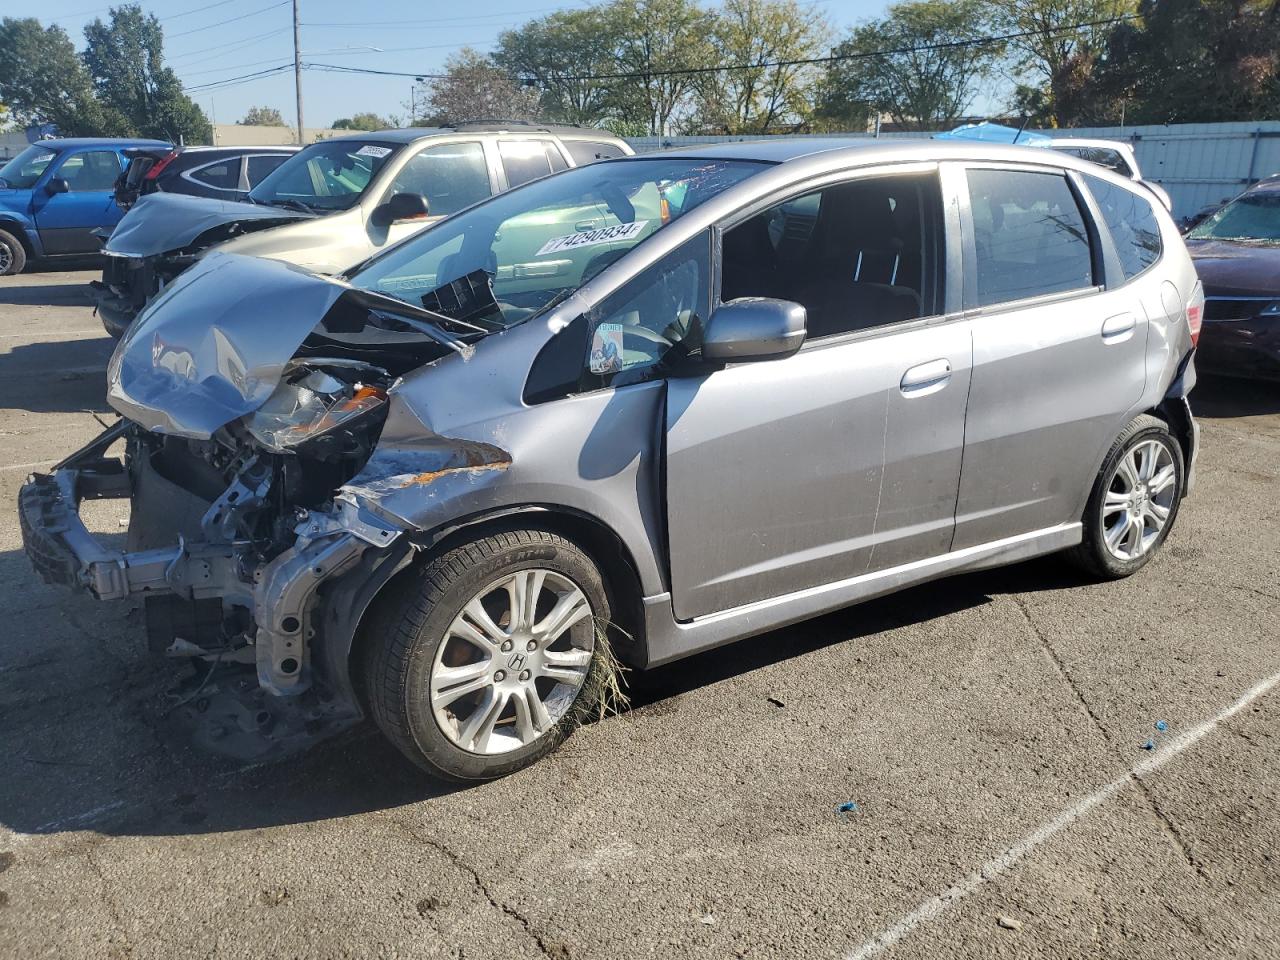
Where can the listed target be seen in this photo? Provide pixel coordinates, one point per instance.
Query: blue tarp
(995, 133)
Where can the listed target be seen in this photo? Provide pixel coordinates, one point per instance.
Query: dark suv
(225, 173)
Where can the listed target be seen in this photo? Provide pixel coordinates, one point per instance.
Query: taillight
(1195, 312)
(158, 167)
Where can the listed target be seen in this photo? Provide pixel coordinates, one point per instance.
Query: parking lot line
(935, 906)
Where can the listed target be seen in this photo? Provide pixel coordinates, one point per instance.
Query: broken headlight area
(235, 546)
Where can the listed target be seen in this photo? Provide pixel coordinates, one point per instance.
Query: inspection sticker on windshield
(369, 150)
(606, 348)
(591, 238)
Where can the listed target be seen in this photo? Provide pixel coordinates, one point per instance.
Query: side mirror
(754, 328)
(57, 185)
(401, 206)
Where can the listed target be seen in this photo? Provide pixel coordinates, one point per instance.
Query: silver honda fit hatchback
(627, 413)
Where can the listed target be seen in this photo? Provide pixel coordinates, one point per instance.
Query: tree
(43, 81)
(759, 99)
(138, 93)
(263, 117)
(363, 121)
(659, 39)
(1054, 53)
(474, 88)
(563, 53)
(1190, 61)
(916, 64)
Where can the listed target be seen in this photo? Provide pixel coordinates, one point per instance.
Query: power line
(187, 13)
(232, 81)
(435, 21)
(243, 16)
(234, 45)
(840, 57)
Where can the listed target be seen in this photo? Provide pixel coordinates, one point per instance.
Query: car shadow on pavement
(918, 604)
(84, 746)
(1217, 398)
(56, 376)
(36, 291)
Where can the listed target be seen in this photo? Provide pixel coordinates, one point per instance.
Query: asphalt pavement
(991, 731)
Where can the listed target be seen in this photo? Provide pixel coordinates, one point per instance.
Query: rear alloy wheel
(13, 257)
(479, 667)
(1134, 500)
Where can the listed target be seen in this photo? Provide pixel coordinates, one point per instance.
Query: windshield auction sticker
(369, 150)
(592, 238)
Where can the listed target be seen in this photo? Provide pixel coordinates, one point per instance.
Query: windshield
(24, 170)
(326, 176)
(514, 255)
(1254, 216)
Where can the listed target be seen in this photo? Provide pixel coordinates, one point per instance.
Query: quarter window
(1133, 225)
(857, 255)
(638, 333)
(451, 176)
(1029, 235)
(224, 175)
(589, 151)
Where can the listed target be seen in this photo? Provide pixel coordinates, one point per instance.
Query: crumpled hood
(1229, 269)
(214, 345)
(161, 222)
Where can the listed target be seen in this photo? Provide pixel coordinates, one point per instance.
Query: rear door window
(526, 160)
(451, 176)
(1132, 223)
(589, 151)
(1029, 236)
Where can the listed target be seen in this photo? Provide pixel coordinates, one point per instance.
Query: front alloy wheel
(508, 669)
(478, 662)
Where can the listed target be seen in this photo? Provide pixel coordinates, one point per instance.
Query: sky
(215, 40)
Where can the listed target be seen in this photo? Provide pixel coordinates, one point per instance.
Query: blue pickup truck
(56, 194)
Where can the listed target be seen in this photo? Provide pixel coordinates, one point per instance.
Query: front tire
(1134, 501)
(13, 256)
(484, 660)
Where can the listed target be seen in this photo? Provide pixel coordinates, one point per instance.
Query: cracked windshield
(524, 251)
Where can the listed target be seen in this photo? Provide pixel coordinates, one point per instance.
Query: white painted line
(27, 466)
(934, 907)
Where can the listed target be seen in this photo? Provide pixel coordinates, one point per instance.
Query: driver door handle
(926, 378)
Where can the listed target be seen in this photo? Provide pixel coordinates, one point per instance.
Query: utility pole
(297, 73)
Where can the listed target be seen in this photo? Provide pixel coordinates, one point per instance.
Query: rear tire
(458, 623)
(13, 256)
(1134, 501)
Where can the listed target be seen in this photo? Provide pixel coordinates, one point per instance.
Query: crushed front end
(234, 549)
(248, 404)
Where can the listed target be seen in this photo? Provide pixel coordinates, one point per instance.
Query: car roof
(1270, 185)
(412, 134)
(241, 148)
(1089, 142)
(841, 150)
(72, 143)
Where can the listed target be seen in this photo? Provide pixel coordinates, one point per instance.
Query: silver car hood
(214, 345)
(161, 222)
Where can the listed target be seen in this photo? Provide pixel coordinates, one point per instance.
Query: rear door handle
(1119, 328)
(926, 378)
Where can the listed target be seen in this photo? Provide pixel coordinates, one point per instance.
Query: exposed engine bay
(242, 531)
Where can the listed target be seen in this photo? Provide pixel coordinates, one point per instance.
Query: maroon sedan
(1237, 254)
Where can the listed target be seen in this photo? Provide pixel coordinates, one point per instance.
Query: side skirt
(668, 639)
